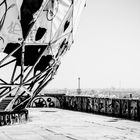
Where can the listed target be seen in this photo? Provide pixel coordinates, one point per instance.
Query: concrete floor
(57, 124)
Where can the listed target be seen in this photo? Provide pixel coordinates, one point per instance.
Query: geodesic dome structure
(34, 36)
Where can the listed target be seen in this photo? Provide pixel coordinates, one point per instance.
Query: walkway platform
(57, 124)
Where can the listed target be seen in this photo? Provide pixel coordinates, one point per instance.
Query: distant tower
(79, 89)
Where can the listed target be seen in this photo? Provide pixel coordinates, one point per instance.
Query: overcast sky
(106, 52)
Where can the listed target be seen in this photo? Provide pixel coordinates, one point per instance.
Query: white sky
(106, 51)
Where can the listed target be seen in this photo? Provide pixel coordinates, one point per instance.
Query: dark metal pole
(79, 90)
(79, 83)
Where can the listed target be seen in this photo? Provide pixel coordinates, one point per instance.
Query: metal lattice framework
(31, 64)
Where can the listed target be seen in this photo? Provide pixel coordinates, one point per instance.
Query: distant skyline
(106, 52)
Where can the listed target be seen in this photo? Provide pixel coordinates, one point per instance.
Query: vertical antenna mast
(79, 89)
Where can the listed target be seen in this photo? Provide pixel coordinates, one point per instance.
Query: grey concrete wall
(123, 108)
(9, 118)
